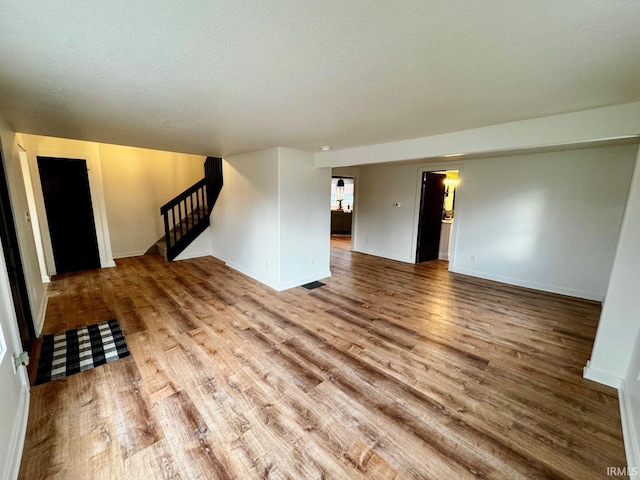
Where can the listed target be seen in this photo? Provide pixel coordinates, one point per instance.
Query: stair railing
(187, 215)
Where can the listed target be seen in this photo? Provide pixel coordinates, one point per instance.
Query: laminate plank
(390, 370)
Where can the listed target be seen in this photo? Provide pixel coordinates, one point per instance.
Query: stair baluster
(179, 230)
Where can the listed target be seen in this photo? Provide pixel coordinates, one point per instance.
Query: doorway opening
(342, 208)
(436, 217)
(67, 202)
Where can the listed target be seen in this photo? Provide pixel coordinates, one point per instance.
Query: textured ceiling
(214, 77)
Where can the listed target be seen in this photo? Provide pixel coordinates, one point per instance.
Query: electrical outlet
(312, 261)
(244, 255)
(473, 258)
(367, 239)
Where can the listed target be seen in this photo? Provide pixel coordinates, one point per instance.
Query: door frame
(22, 311)
(68, 203)
(435, 167)
(96, 191)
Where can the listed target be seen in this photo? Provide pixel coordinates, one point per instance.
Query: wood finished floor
(391, 370)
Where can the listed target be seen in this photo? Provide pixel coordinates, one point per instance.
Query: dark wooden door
(430, 223)
(17, 282)
(67, 201)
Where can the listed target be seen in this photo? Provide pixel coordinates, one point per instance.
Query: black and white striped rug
(77, 350)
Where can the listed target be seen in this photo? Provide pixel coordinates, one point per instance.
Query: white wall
(199, 247)
(128, 187)
(37, 145)
(272, 219)
(137, 182)
(218, 217)
(382, 228)
(251, 227)
(33, 213)
(445, 241)
(548, 221)
(630, 394)
(305, 218)
(20, 207)
(615, 359)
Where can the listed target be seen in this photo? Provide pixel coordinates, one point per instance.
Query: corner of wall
(601, 377)
(629, 433)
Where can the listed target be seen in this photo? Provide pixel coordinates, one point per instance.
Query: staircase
(187, 215)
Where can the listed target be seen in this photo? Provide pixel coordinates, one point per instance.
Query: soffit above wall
(514, 152)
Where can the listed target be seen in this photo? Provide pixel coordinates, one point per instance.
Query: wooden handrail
(187, 214)
(178, 198)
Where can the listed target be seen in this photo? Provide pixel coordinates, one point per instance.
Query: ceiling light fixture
(325, 148)
(453, 155)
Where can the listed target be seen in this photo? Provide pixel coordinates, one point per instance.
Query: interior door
(13, 261)
(430, 223)
(67, 201)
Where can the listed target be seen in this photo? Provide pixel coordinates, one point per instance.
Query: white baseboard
(279, 287)
(46, 279)
(42, 313)
(303, 281)
(219, 256)
(443, 256)
(135, 253)
(16, 444)
(268, 282)
(601, 377)
(533, 285)
(385, 255)
(631, 441)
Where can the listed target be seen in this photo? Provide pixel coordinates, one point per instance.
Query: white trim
(218, 256)
(42, 313)
(279, 287)
(96, 191)
(443, 256)
(135, 253)
(19, 433)
(303, 281)
(385, 255)
(34, 219)
(259, 278)
(631, 441)
(524, 283)
(599, 376)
